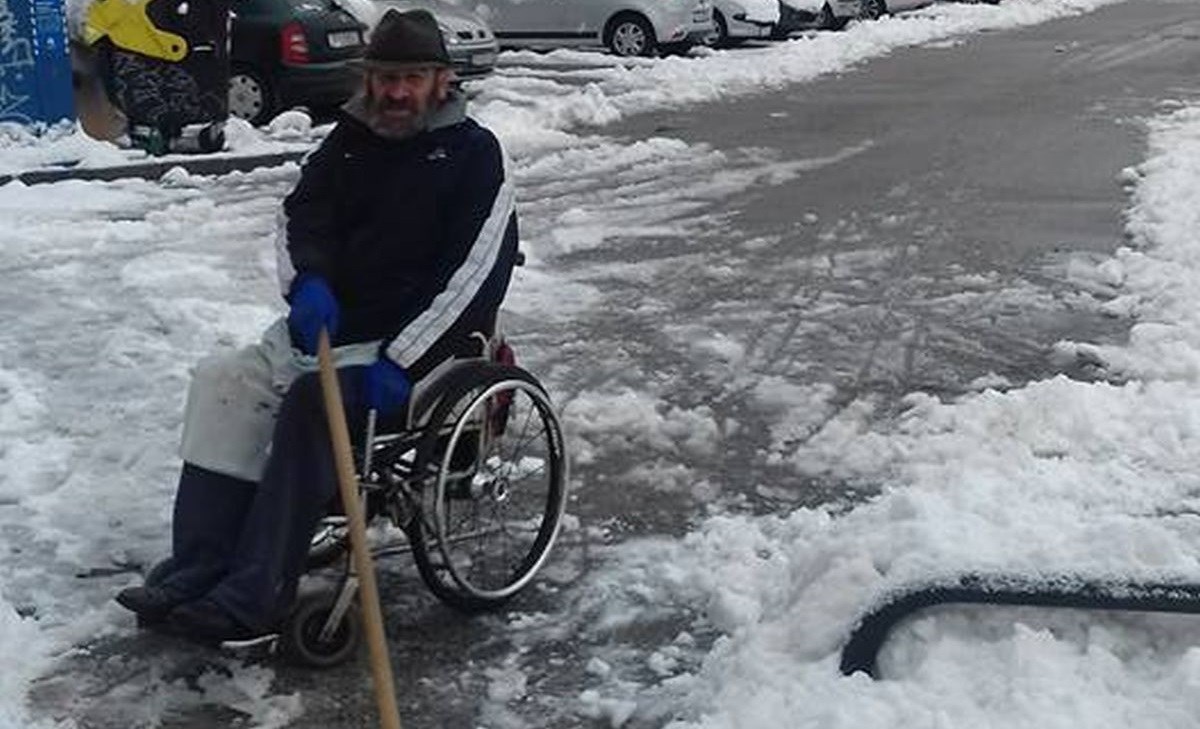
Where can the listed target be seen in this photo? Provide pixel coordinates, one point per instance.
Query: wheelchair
(473, 474)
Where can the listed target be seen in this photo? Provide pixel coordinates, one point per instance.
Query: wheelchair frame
(441, 460)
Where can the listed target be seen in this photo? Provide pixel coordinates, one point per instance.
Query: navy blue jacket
(417, 237)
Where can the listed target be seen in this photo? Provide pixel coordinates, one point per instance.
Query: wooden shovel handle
(381, 665)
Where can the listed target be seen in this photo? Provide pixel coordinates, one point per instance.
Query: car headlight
(449, 36)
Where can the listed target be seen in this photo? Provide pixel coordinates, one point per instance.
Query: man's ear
(442, 82)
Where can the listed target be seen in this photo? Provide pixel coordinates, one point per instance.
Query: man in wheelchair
(399, 239)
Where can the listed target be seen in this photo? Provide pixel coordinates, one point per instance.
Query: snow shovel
(381, 666)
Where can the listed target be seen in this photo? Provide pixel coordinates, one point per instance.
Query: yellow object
(126, 24)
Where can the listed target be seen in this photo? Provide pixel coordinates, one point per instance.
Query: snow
(812, 6)
(118, 287)
(67, 146)
(763, 11)
(1058, 477)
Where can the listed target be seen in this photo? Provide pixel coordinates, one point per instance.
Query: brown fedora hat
(403, 40)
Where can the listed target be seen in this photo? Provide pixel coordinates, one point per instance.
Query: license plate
(483, 59)
(345, 39)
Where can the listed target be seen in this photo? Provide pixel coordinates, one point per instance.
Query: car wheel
(630, 35)
(722, 39)
(250, 97)
(828, 21)
(871, 9)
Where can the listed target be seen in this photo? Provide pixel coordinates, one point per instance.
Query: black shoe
(207, 622)
(151, 604)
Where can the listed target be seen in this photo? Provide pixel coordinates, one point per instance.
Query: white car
(625, 27)
(739, 20)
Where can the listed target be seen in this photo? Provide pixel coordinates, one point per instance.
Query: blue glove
(386, 386)
(313, 308)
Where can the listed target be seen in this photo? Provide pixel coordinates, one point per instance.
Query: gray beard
(390, 130)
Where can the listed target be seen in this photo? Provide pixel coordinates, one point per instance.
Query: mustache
(386, 104)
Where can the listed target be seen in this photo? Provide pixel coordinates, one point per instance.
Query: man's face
(401, 100)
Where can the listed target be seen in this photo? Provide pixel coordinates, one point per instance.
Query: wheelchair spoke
(520, 440)
(494, 452)
(520, 446)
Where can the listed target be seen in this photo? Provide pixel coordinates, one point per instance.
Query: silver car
(625, 27)
(471, 43)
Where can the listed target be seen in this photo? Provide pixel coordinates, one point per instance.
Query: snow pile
(762, 11)
(17, 631)
(1161, 269)
(61, 145)
(67, 146)
(811, 6)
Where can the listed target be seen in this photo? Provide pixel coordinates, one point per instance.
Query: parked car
(867, 10)
(471, 43)
(739, 20)
(285, 53)
(834, 14)
(625, 27)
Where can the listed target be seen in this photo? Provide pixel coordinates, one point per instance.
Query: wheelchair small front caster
(301, 638)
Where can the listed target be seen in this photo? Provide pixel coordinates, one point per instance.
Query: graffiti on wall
(16, 64)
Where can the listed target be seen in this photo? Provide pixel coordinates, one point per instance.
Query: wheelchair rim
(556, 452)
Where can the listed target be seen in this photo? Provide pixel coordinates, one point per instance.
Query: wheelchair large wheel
(498, 481)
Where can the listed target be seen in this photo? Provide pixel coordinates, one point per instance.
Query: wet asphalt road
(953, 194)
(949, 202)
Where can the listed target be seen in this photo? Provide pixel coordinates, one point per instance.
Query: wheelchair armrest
(425, 392)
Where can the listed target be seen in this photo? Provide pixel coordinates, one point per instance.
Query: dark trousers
(243, 545)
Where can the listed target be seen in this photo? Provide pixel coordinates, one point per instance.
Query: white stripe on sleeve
(422, 332)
